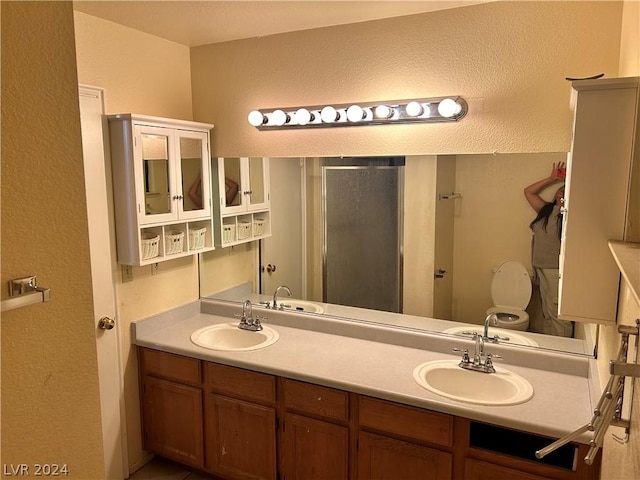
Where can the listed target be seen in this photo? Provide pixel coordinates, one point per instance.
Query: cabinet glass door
(156, 176)
(231, 185)
(258, 181)
(193, 168)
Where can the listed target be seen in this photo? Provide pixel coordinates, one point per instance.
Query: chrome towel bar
(24, 292)
(608, 411)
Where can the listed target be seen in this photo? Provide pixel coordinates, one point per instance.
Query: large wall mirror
(435, 230)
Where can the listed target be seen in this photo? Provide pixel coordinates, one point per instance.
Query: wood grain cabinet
(405, 443)
(315, 432)
(172, 407)
(241, 424)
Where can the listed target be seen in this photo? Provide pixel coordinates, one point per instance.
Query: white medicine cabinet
(242, 190)
(596, 196)
(162, 189)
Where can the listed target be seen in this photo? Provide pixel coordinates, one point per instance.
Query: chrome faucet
(247, 322)
(275, 296)
(493, 319)
(482, 362)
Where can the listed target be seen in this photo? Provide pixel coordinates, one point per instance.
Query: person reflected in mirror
(545, 251)
(195, 191)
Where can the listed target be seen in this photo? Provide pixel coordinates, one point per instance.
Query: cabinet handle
(248, 192)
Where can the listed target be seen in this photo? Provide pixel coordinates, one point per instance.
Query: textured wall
(50, 400)
(509, 59)
(142, 74)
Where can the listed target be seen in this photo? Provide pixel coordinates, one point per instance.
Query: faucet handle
(465, 354)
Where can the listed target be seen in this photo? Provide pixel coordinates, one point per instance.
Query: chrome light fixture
(423, 110)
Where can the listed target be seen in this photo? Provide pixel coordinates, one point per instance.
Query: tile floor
(160, 469)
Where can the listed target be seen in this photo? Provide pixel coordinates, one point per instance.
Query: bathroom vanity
(336, 399)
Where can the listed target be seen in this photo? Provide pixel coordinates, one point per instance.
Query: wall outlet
(154, 269)
(127, 273)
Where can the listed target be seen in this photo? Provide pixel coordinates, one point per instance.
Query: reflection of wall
(444, 240)
(492, 223)
(419, 234)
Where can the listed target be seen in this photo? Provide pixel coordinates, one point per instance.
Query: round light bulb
(383, 111)
(329, 114)
(414, 109)
(303, 116)
(355, 113)
(256, 118)
(279, 118)
(449, 108)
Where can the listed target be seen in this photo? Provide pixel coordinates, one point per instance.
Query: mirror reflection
(156, 174)
(191, 173)
(459, 219)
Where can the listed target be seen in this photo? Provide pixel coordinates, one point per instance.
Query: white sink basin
(513, 336)
(301, 306)
(229, 338)
(446, 378)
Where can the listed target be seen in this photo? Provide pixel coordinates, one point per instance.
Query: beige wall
(50, 397)
(142, 74)
(509, 59)
(622, 461)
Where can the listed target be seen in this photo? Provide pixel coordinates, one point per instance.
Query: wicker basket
(173, 242)
(196, 238)
(244, 229)
(258, 226)
(228, 232)
(150, 243)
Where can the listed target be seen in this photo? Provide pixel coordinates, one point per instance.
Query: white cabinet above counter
(161, 186)
(241, 188)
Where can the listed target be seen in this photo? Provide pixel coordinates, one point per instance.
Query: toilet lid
(511, 285)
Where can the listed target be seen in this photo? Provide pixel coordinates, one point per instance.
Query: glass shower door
(362, 264)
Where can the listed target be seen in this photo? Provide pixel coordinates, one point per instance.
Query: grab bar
(24, 292)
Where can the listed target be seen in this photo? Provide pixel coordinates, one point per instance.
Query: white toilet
(511, 292)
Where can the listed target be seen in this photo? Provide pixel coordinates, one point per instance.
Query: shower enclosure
(362, 237)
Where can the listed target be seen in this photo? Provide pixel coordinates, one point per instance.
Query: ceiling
(194, 23)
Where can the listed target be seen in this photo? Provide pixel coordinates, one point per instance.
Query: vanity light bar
(423, 110)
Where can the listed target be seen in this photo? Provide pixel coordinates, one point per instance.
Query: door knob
(106, 323)
(271, 268)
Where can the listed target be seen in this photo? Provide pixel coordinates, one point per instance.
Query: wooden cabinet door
(241, 438)
(384, 458)
(477, 470)
(173, 420)
(314, 449)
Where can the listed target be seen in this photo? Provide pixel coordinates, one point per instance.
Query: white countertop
(379, 361)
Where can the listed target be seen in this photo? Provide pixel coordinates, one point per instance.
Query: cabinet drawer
(170, 366)
(317, 400)
(477, 470)
(406, 421)
(240, 383)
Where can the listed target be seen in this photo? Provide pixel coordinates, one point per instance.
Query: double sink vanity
(317, 396)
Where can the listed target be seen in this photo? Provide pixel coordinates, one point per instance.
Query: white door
(104, 304)
(284, 249)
